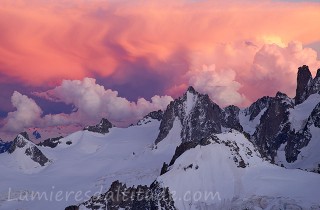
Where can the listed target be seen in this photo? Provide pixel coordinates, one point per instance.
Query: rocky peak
(25, 135)
(268, 136)
(103, 127)
(258, 106)
(30, 149)
(304, 79)
(192, 90)
(282, 97)
(198, 115)
(20, 141)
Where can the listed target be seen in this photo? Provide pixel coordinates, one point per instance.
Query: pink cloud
(56, 40)
(249, 48)
(274, 68)
(27, 113)
(220, 85)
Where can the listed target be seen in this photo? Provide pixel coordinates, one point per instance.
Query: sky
(74, 61)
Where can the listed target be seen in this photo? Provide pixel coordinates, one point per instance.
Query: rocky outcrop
(119, 196)
(51, 142)
(300, 139)
(254, 109)
(30, 149)
(183, 147)
(72, 208)
(273, 123)
(306, 85)
(199, 117)
(103, 127)
(19, 142)
(155, 115)
(303, 82)
(231, 118)
(275, 126)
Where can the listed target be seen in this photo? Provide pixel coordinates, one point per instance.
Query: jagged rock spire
(199, 117)
(306, 86)
(191, 90)
(304, 78)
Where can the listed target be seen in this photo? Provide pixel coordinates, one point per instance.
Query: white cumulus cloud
(27, 113)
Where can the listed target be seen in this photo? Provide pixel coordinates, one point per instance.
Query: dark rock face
(119, 196)
(258, 106)
(198, 115)
(303, 81)
(205, 118)
(51, 142)
(36, 155)
(314, 117)
(315, 84)
(273, 123)
(184, 146)
(25, 135)
(231, 118)
(306, 85)
(19, 142)
(156, 115)
(275, 129)
(103, 127)
(22, 141)
(72, 208)
(301, 139)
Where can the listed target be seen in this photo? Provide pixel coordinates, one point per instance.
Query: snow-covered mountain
(24, 155)
(192, 155)
(223, 172)
(199, 117)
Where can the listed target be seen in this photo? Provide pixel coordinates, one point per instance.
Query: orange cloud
(43, 42)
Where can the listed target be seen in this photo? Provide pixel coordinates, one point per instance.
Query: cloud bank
(56, 40)
(91, 102)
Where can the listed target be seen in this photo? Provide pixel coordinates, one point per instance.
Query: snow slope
(308, 157)
(208, 177)
(301, 112)
(19, 161)
(248, 125)
(225, 174)
(87, 163)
